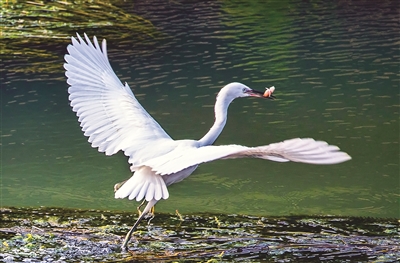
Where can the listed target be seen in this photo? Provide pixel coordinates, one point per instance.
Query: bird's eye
(244, 90)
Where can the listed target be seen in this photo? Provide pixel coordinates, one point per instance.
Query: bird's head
(236, 90)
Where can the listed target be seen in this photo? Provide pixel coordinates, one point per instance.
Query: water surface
(336, 72)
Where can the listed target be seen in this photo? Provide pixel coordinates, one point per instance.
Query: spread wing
(295, 150)
(109, 113)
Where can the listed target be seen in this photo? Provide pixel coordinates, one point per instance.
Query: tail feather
(144, 183)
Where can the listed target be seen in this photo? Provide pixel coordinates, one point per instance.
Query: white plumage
(114, 120)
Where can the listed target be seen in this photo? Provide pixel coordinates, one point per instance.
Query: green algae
(65, 235)
(32, 30)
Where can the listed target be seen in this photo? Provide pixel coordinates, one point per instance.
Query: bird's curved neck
(220, 109)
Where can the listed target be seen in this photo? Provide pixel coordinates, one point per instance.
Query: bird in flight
(114, 120)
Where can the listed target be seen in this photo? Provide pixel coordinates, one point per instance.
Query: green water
(336, 72)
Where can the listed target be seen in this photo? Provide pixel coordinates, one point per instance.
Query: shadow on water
(62, 235)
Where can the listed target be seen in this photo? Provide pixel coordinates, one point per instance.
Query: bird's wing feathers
(109, 113)
(296, 150)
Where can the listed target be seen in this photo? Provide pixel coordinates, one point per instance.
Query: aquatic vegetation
(34, 29)
(70, 235)
(56, 19)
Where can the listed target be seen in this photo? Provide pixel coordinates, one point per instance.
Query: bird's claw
(118, 185)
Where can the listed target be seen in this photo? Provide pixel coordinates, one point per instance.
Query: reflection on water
(335, 67)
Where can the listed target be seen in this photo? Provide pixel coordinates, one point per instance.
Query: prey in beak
(267, 94)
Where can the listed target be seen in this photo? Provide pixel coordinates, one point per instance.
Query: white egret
(114, 120)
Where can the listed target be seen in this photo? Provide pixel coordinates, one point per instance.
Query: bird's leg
(152, 211)
(146, 210)
(151, 214)
(138, 208)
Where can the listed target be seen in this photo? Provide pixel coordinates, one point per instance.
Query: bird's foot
(124, 246)
(150, 215)
(118, 185)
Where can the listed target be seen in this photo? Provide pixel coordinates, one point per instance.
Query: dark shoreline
(71, 235)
